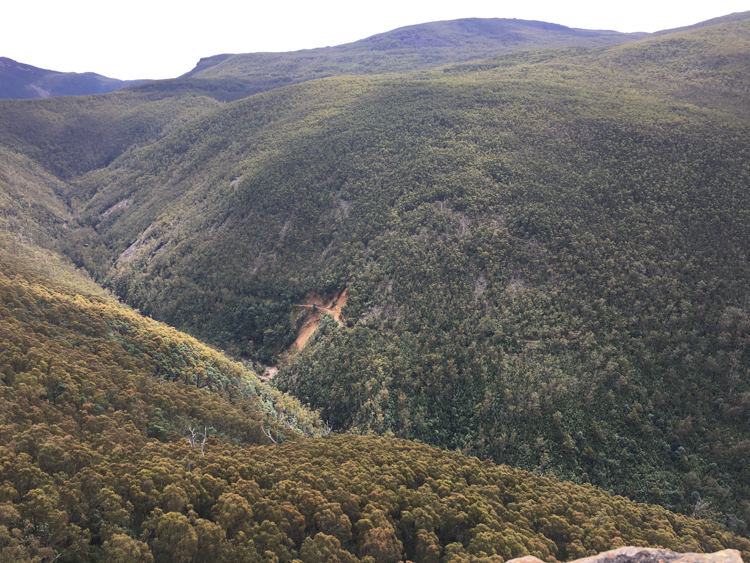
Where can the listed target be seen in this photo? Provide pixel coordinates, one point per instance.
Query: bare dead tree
(268, 433)
(192, 438)
(205, 437)
(734, 374)
(290, 423)
(701, 509)
(329, 428)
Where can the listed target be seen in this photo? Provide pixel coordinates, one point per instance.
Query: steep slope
(544, 253)
(30, 206)
(343, 499)
(60, 338)
(124, 440)
(18, 80)
(62, 333)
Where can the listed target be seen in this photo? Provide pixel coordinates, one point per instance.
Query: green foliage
(545, 256)
(348, 498)
(93, 362)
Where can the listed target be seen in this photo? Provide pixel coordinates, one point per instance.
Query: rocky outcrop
(647, 555)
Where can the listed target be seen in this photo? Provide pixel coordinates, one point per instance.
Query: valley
(503, 287)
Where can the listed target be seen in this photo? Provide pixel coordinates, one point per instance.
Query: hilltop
(233, 76)
(410, 48)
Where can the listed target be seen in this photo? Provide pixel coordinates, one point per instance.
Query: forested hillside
(124, 440)
(71, 135)
(410, 48)
(545, 256)
(339, 499)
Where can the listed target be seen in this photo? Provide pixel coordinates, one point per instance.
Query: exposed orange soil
(319, 306)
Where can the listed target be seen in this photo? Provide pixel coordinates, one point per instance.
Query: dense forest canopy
(545, 259)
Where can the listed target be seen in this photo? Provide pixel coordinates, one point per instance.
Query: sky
(164, 38)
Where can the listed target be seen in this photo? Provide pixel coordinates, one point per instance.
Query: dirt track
(319, 306)
(312, 322)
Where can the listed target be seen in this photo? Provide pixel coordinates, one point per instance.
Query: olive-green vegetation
(545, 253)
(122, 439)
(84, 357)
(410, 48)
(339, 499)
(88, 388)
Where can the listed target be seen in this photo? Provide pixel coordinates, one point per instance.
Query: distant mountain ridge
(417, 47)
(20, 81)
(228, 77)
(439, 42)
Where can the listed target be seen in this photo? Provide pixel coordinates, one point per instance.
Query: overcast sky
(165, 38)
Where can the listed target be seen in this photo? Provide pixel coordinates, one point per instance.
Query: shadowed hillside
(18, 80)
(69, 136)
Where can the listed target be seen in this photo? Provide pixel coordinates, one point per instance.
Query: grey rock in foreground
(647, 555)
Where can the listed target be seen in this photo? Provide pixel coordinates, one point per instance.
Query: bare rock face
(647, 555)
